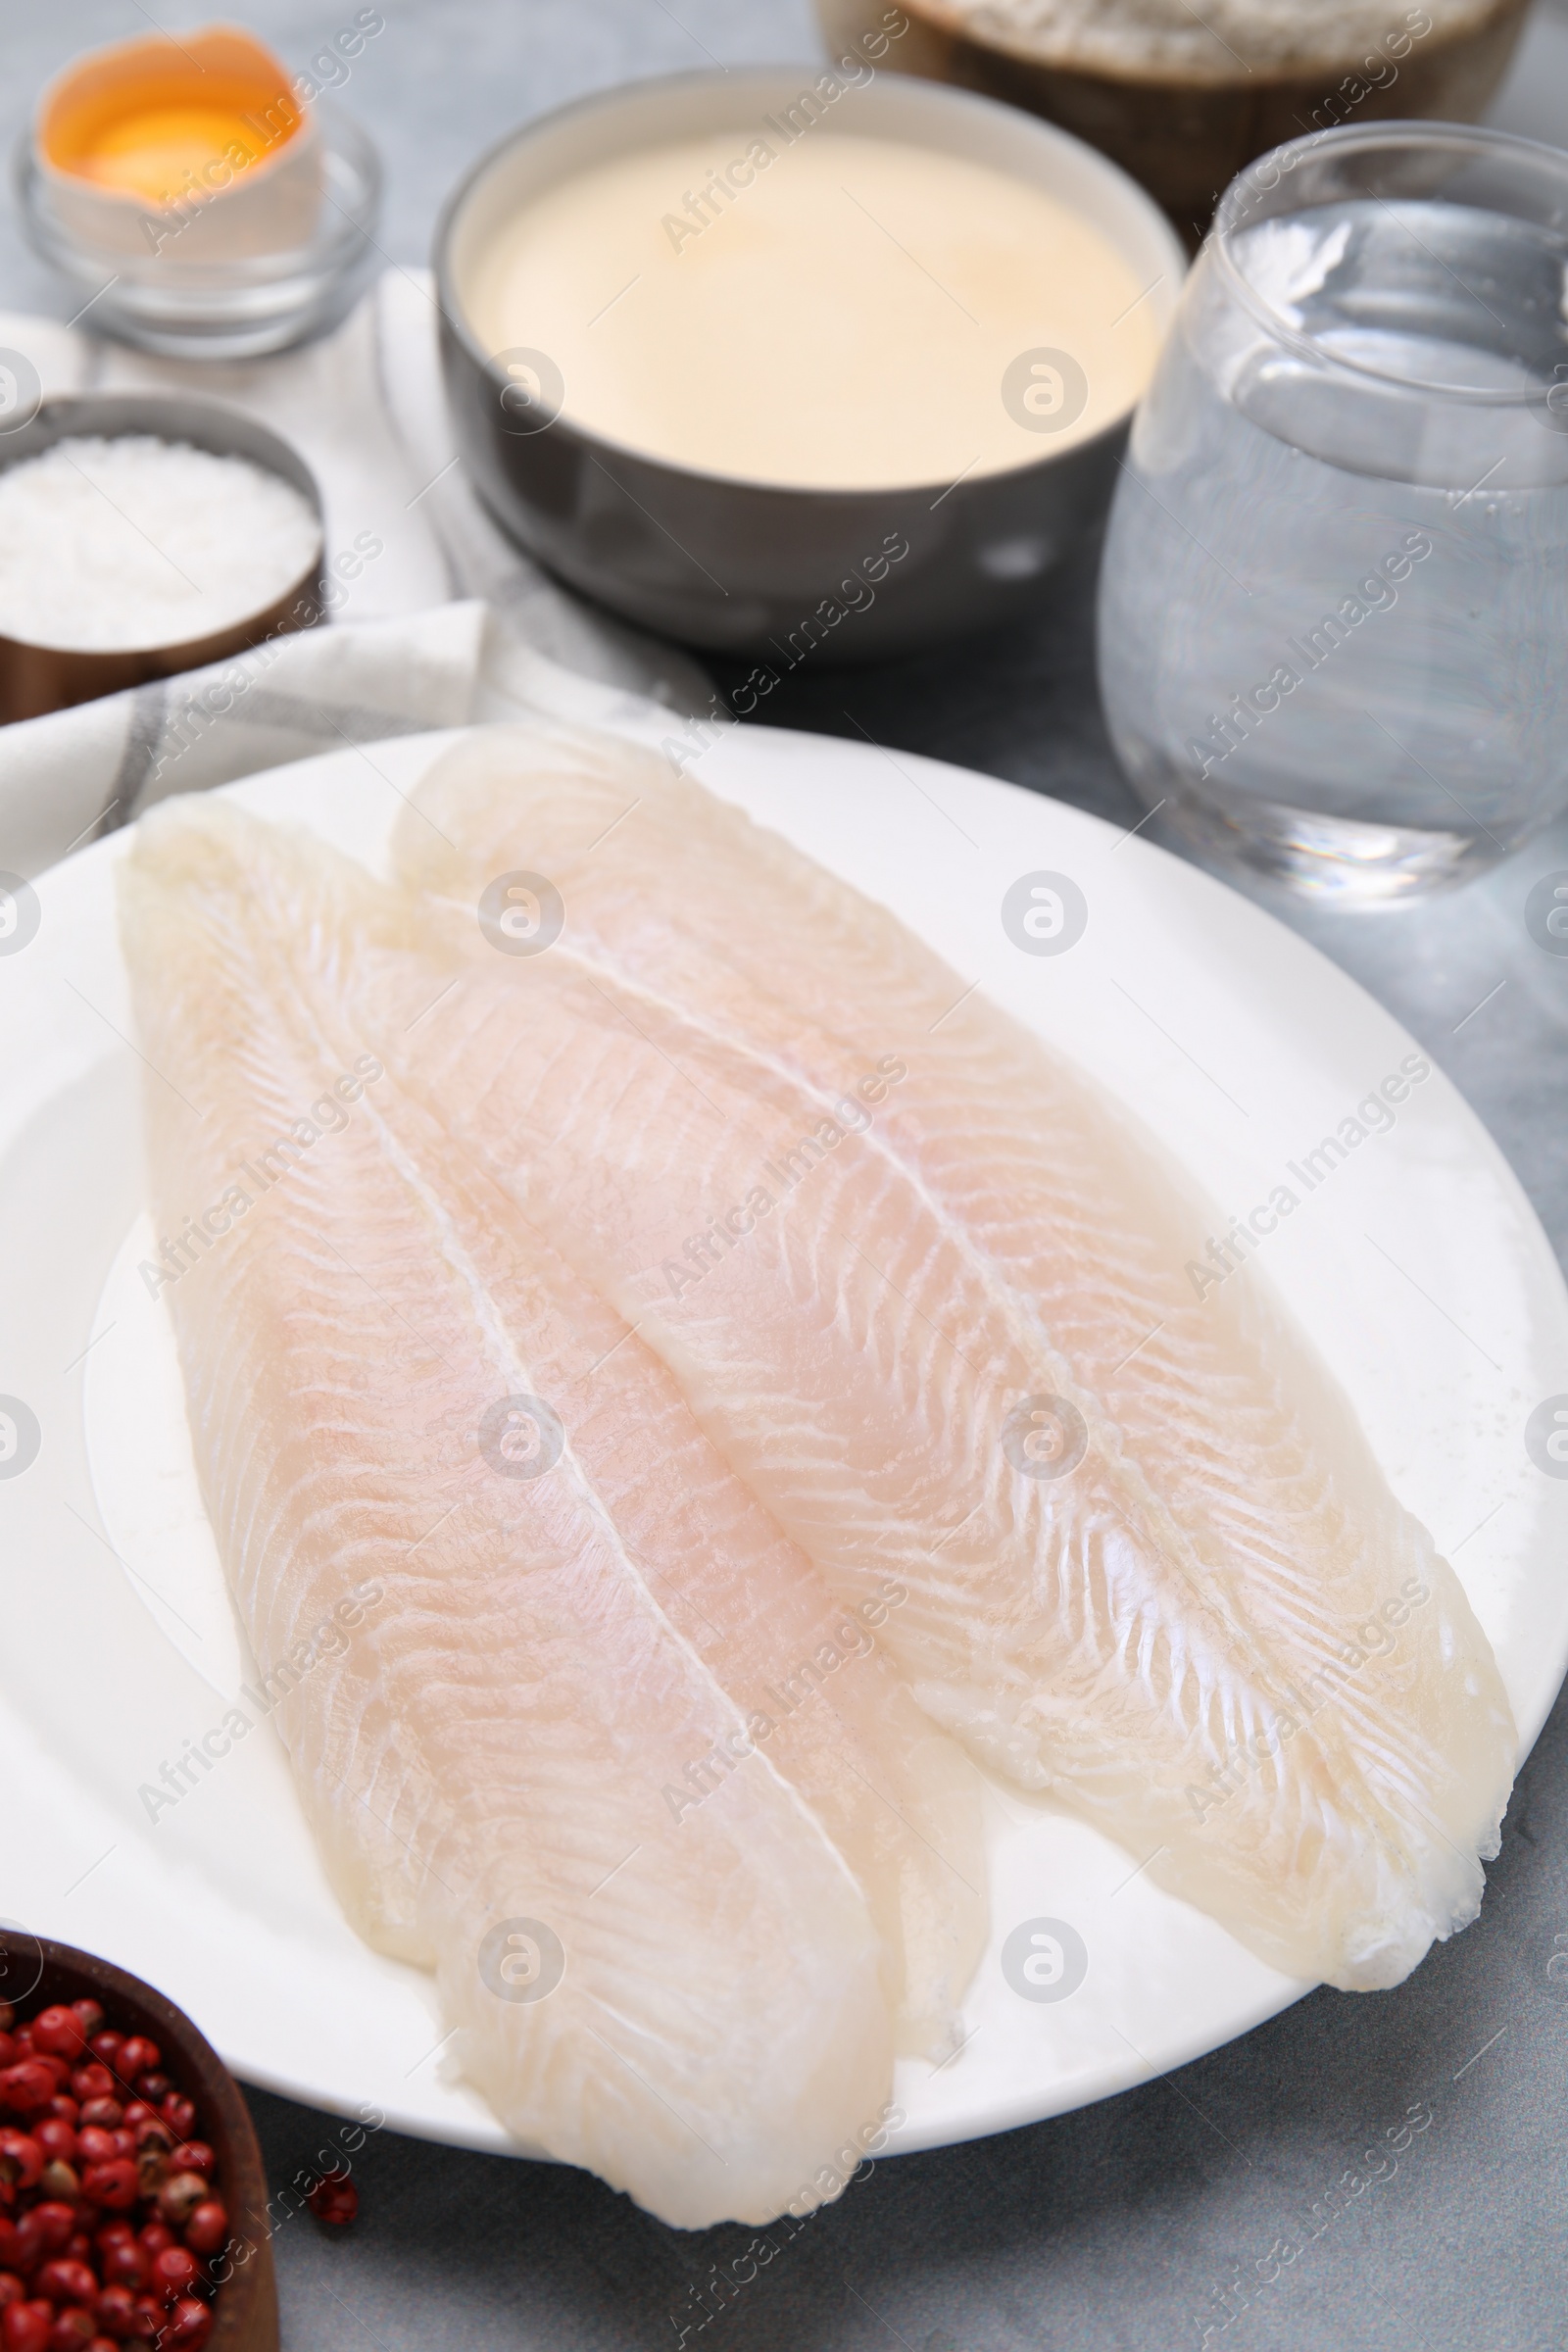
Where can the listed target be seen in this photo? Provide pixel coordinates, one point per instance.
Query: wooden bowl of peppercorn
(182, 2163)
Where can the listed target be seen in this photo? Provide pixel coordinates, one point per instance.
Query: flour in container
(1151, 37)
(107, 546)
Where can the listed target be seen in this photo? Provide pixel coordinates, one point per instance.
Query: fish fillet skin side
(691, 2009)
(1364, 1758)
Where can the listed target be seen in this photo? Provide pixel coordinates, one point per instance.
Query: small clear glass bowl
(232, 310)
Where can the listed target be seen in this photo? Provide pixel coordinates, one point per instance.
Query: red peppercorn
(11, 2290)
(113, 2184)
(206, 2231)
(190, 2323)
(28, 2087)
(101, 2115)
(73, 2332)
(21, 2160)
(180, 2114)
(94, 2146)
(92, 2082)
(335, 2200)
(137, 2056)
(80, 2248)
(65, 2281)
(63, 2109)
(189, 2327)
(10, 2048)
(154, 2237)
(136, 2112)
(124, 2264)
(24, 2327)
(22, 2246)
(56, 2137)
(173, 2273)
(91, 2018)
(148, 2317)
(60, 2181)
(114, 2310)
(59, 2031)
(154, 2088)
(179, 2196)
(194, 2156)
(106, 2047)
(103, 2343)
(56, 2225)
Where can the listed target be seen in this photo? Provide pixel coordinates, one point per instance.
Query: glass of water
(1334, 606)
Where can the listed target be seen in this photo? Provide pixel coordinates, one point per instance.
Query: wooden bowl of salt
(143, 535)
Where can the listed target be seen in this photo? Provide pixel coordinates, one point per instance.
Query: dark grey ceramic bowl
(748, 568)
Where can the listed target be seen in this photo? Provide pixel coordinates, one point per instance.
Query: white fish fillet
(1220, 1636)
(490, 1745)
(901, 1801)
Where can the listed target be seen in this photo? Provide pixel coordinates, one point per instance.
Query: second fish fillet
(1164, 1637)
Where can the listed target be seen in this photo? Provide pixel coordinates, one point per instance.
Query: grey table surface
(1145, 2220)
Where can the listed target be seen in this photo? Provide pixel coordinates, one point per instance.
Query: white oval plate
(1418, 1267)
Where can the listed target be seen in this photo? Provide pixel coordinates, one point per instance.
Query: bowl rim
(1229, 221)
(455, 321)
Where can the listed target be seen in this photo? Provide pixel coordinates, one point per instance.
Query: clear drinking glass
(1334, 606)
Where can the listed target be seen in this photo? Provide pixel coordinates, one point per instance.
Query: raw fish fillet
(900, 1801)
(1218, 1637)
(490, 1745)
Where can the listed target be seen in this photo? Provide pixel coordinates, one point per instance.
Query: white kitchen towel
(444, 622)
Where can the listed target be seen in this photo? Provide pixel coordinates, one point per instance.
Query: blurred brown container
(1186, 137)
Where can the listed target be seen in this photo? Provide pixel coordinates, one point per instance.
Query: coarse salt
(111, 546)
(1219, 41)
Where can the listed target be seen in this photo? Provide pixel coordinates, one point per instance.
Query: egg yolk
(156, 153)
